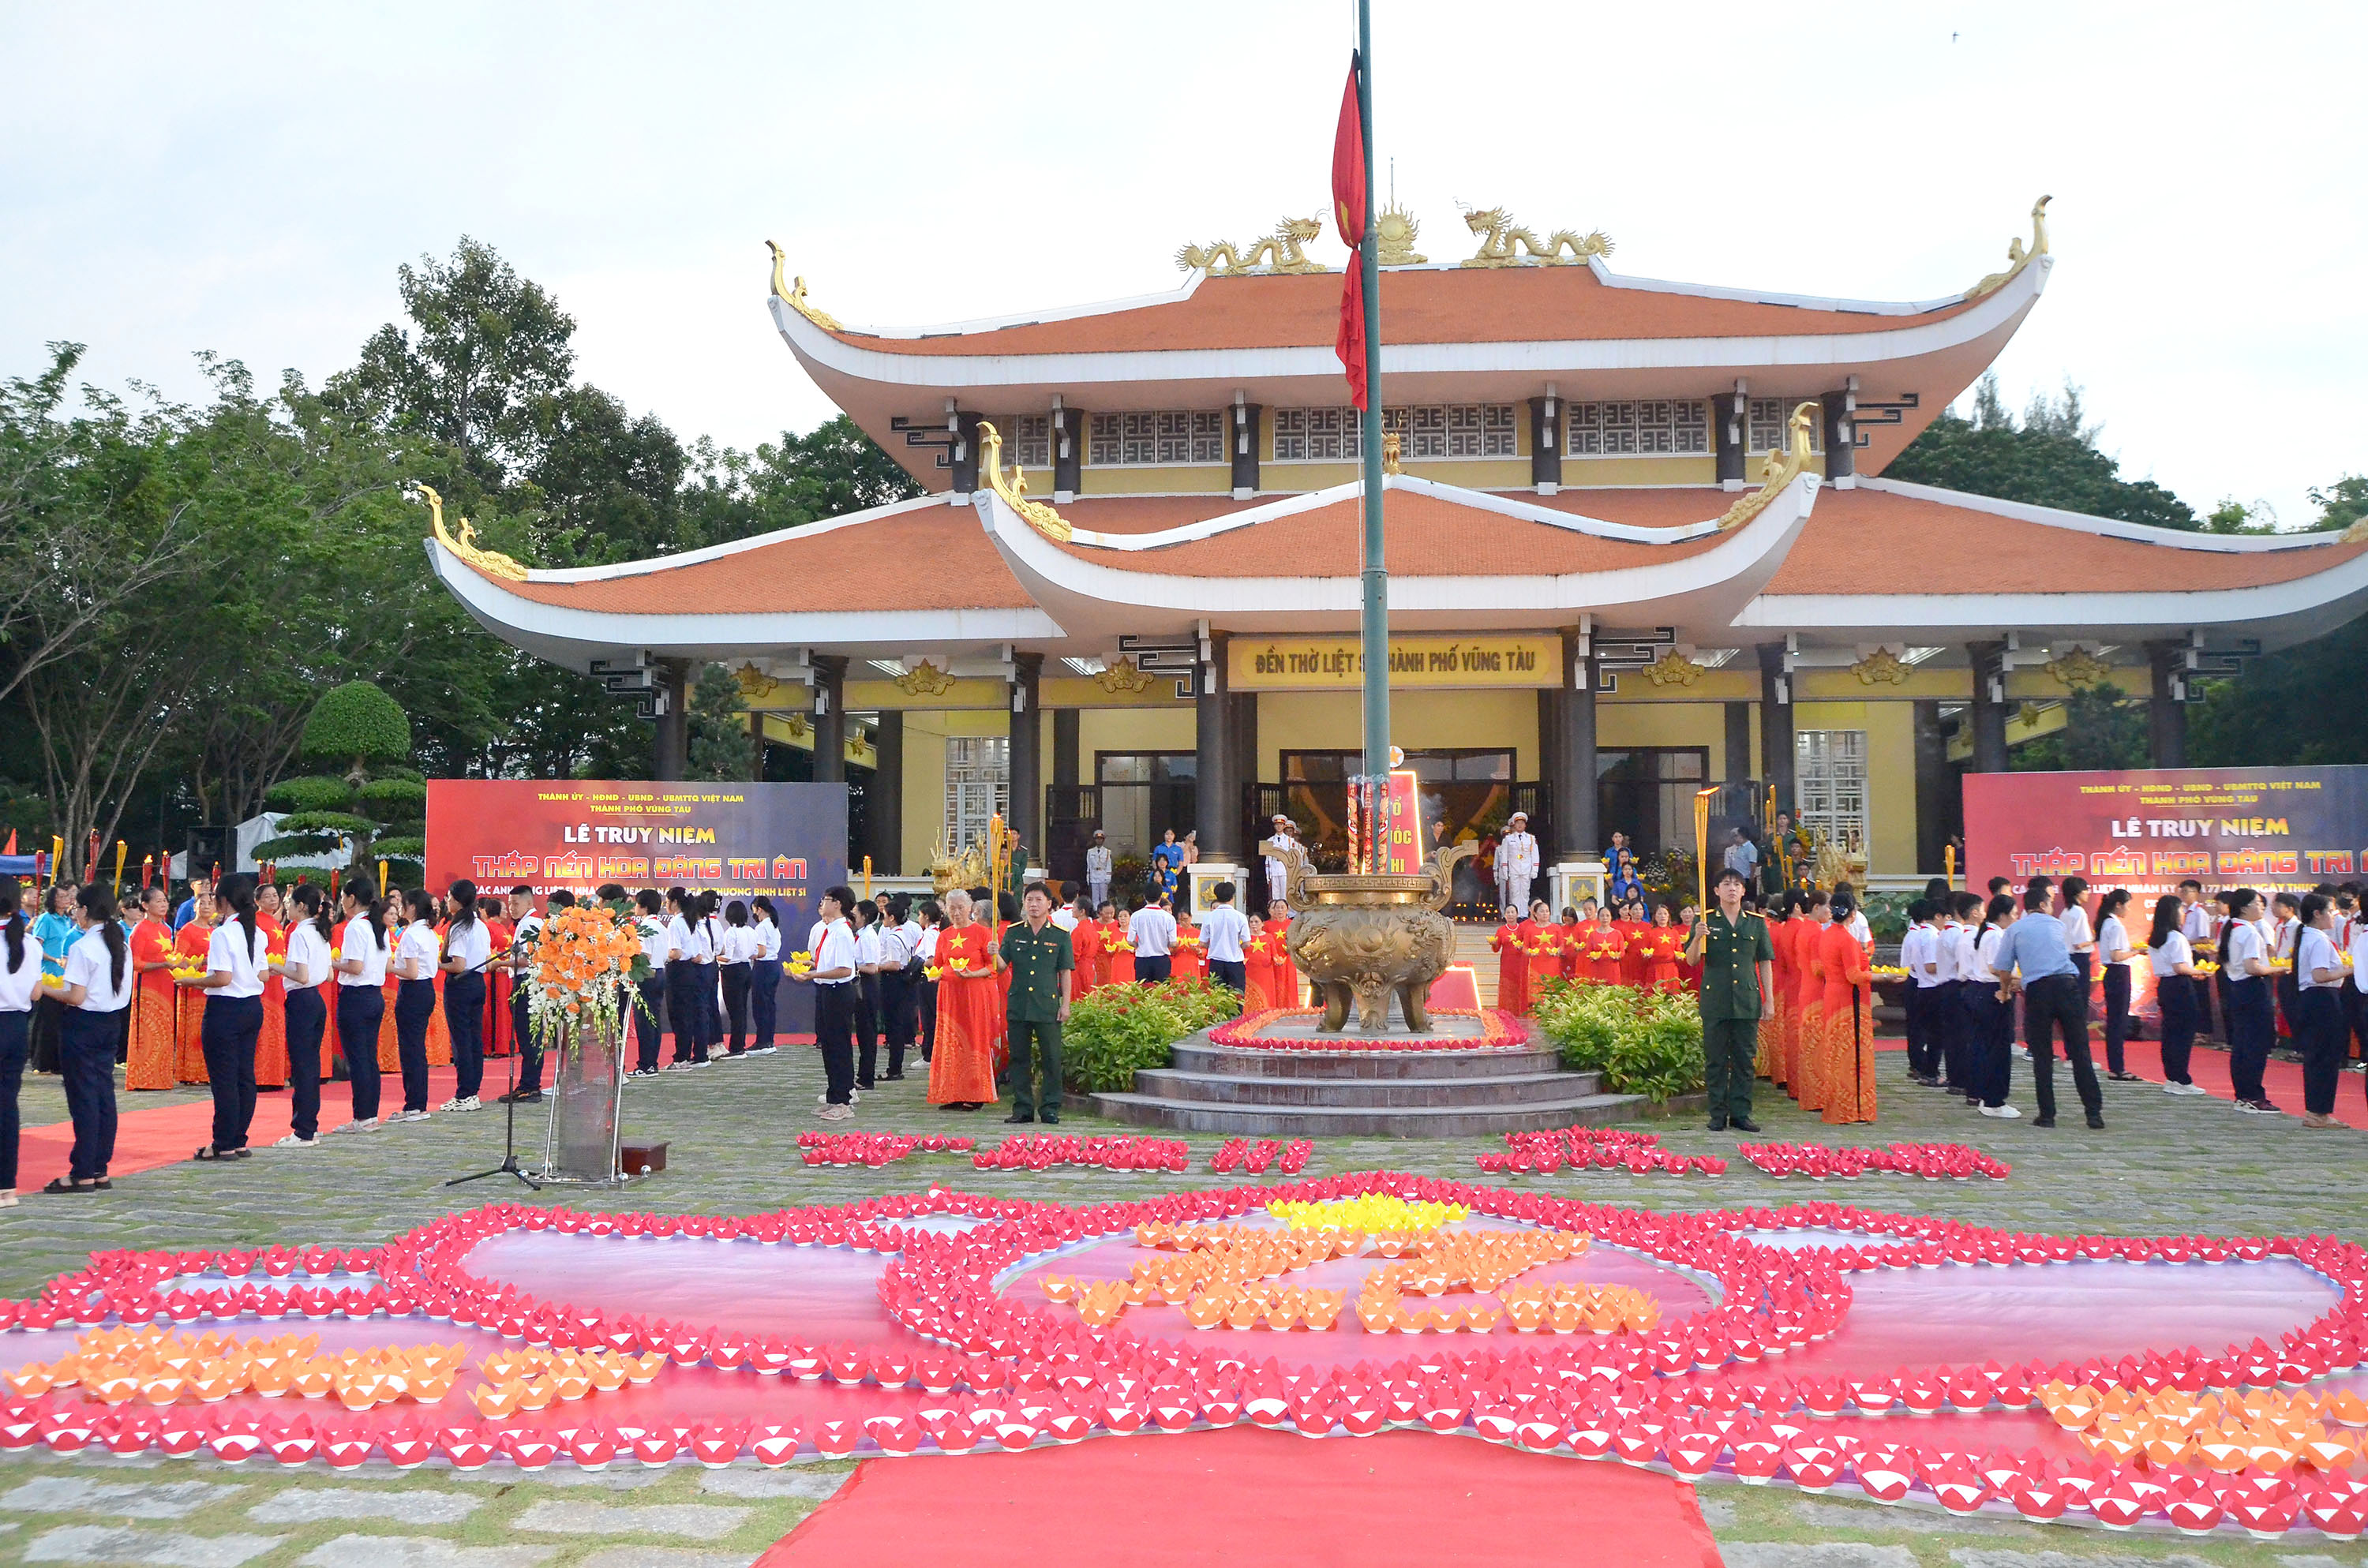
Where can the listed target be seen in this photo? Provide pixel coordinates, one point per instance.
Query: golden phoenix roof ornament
(1780, 467)
(1013, 487)
(794, 294)
(492, 563)
(2017, 258)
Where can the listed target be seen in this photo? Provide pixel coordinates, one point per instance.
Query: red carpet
(1247, 1496)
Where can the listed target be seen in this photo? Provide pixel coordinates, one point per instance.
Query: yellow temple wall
(1890, 775)
(1331, 721)
(926, 733)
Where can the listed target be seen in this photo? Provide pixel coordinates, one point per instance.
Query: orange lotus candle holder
(536, 1379)
(160, 1366)
(2268, 1431)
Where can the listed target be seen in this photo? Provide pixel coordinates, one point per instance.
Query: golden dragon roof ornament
(2017, 258)
(1782, 467)
(794, 294)
(1013, 487)
(492, 563)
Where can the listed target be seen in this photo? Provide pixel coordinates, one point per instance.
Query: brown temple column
(883, 800)
(674, 718)
(2167, 713)
(1988, 710)
(1776, 727)
(1242, 748)
(1068, 454)
(1572, 759)
(1738, 741)
(1842, 436)
(1216, 803)
(1545, 444)
(829, 718)
(1026, 755)
(1936, 813)
(966, 453)
(1241, 441)
(1065, 748)
(1728, 436)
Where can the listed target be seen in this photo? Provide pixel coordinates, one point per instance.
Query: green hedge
(1120, 1029)
(1644, 1042)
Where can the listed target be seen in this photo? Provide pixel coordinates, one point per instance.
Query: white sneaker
(456, 1103)
(2003, 1112)
(2247, 1108)
(762, 1049)
(369, 1126)
(2022, 1054)
(408, 1116)
(8, 1198)
(2183, 1089)
(835, 1113)
(292, 1142)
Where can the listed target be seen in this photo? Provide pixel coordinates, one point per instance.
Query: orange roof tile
(1499, 305)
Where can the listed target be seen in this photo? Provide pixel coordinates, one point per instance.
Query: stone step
(1357, 1094)
(1367, 1121)
(1244, 1063)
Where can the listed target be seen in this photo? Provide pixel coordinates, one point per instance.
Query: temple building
(1638, 535)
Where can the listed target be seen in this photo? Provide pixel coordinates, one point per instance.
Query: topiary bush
(1644, 1042)
(1119, 1031)
(357, 723)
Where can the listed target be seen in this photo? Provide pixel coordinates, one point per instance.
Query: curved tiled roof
(1514, 304)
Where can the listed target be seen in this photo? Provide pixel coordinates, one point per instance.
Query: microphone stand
(510, 1165)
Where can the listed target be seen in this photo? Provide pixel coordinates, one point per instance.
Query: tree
(2049, 460)
(720, 744)
(2298, 707)
(2102, 731)
(373, 808)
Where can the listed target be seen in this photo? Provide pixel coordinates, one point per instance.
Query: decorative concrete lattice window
(1318, 435)
(1628, 429)
(1424, 433)
(978, 786)
(1166, 436)
(1765, 431)
(1830, 773)
(1031, 440)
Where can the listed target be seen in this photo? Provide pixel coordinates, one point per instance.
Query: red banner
(1348, 213)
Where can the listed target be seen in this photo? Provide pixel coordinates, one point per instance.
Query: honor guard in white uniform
(1517, 863)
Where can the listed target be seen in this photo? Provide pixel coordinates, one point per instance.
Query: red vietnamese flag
(1348, 213)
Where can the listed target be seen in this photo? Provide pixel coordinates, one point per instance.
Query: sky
(246, 179)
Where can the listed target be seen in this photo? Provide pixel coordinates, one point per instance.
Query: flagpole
(1375, 578)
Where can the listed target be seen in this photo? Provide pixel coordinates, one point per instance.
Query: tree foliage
(359, 723)
(2049, 458)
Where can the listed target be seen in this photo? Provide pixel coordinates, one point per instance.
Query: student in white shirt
(897, 937)
(20, 976)
(650, 1004)
(1919, 955)
(468, 952)
(2317, 1012)
(736, 964)
(1153, 932)
(1224, 929)
(526, 926)
(832, 943)
(867, 993)
(2252, 1022)
(362, 956)
(303, 974)
(1989, 1045)
(416, 954)
(2176, 987)
(765, 978)
(2114, 951)
(2196, 924)
(1959, 1052)
(706, 938)
(929, 922)
(237, 958)
(2280, 930)
(682, 974)
(99, 982)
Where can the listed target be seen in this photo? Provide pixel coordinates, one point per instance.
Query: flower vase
(588, 1087)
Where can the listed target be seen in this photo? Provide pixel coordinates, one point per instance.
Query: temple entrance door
(1072, 812)
(1142, 794)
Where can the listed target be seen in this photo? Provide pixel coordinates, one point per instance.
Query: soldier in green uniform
(1043, 966)
(1737, 985)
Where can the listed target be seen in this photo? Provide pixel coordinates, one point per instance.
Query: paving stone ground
(2161, 1164)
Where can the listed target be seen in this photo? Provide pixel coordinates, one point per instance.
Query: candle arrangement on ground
(874, 1149)
(1257, 1159)
(532, 1379)
(1933, 1161)
(1594, 1148)
(1044, 1152)
(159, 1367)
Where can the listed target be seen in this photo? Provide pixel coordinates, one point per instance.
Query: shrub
(357, 722)
(1644, 1042)
(1119, 1030)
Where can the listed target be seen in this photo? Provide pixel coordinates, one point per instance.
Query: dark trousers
(2289, 992)
(765, 1001)
(1923, 1008)
(710, 1008)
(464, 1015)
(926, 995)
(2355, 1019)
(1952, 1021)
(228, 1033)
(2117, 1014)
(2317, 1019)
(308, 1019)
(1989, 1043)
(1035, 1055)
(86, 1059)
(866, 988)
(2177, 994)
(2057, 1002)
(1231, 974)
(900, 1009)
(1151, 970)
(360, 1010)
(530, 1045)
(1730, 1046)
(415, 1004)
(735, 1003)
(49, 1024)
(2204, 988)
(2252, 1028)
(649, 1027)
(835, 1033)
(682, 1009)
(16, 1046)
